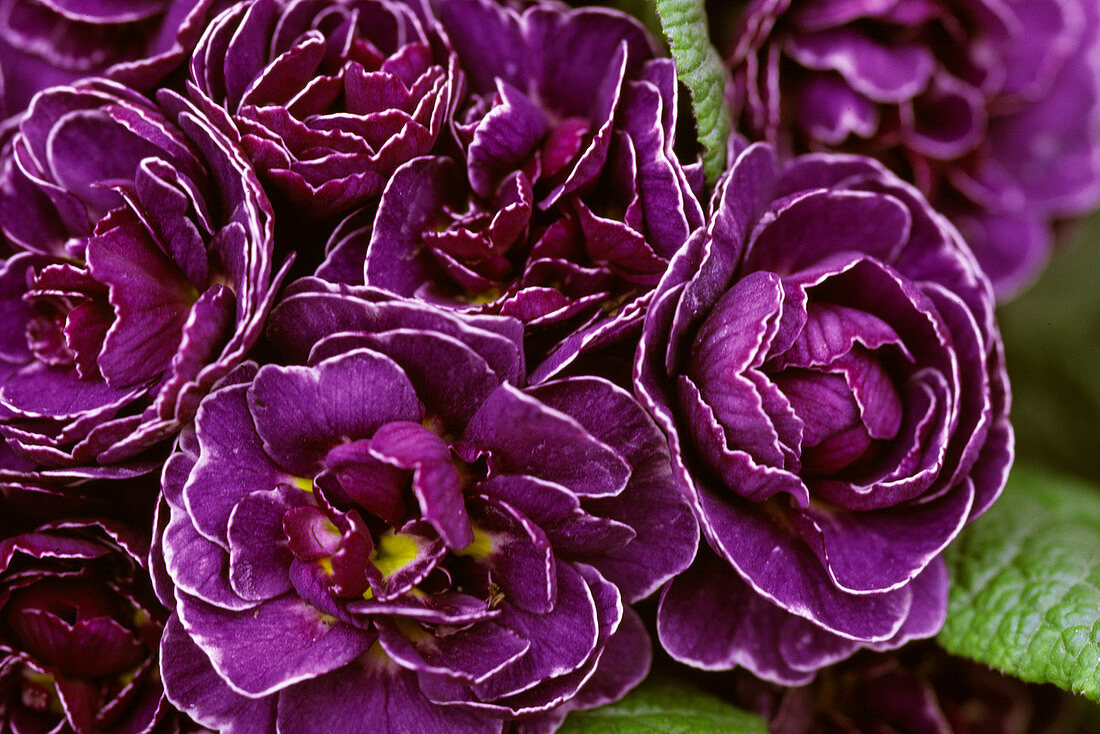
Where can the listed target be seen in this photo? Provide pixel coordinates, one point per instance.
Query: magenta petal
(14, 311)
(374, 485)
(929, 609)
(521, 558)
(316, 310)
(711, 619)
(884, 74)
(196, 564)
(453, 393)
(817, 224)
(450, 608)
(193, 687)
(525, 437)
(624, 664)
(572, 531)
(259, 554)
(832, 110)
(151, 298)
(665, 530)
(878, 550)
(231, 465)
(504, 139)
(280, 643)
(414, 198)
(472, 654)
(562, 688)
(436, 482)
(303, 412)
(40, 390)
(561, 640)
(373, 694)
(755, 546)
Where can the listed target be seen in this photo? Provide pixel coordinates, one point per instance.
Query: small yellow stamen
(306, 485)
(481, 546)
(393, 552)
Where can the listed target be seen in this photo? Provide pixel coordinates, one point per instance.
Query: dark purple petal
(526, 437)
(232, 463)
(259, 555)
(372, 693)
(303, 412)
(193, 687)
(279, 643)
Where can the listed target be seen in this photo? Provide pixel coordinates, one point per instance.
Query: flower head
(992, 108)
(44, 44)
(328, 97)
(565, 201)
(398, 518)
(139, 276)
(825, 360)
(79, 629)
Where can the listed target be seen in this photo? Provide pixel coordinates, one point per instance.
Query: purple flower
(44, 43)
(825, 360)
(567, 200)
(329, 96)
(139, 274)
(396, 532)
(79, 630)
(991, 107)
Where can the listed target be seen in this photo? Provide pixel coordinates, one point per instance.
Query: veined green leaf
(1025, 593)
(701, 69)
(666, 707)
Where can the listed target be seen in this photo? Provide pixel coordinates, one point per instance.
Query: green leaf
(1025, 592)
(668, 707)
(702, 70)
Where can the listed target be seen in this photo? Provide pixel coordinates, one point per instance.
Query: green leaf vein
(1025, 594)
(702, 71)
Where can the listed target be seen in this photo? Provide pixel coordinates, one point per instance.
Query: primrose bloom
(79, 632)
(329, 96)
(825, 360)
(136, 42)
(992, 108)
(566, 200)
(139, 274)
(394, 530)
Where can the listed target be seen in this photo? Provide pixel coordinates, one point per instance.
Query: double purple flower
(393, 529)
(329, 96)
(135, 42)
(565, 199)
(79, 629)
(991, 107)
(138, 274)
(825, 361)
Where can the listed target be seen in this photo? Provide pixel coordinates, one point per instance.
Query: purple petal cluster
(825, 361)
(992, 108)
(138, 274)
(79, 630)
(420, 488)
(391, 529)
(565, 199)
(329, 97)
(44, 43)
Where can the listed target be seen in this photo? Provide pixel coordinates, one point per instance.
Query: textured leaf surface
(666, 707)
(701, 69)
(1025, 594)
